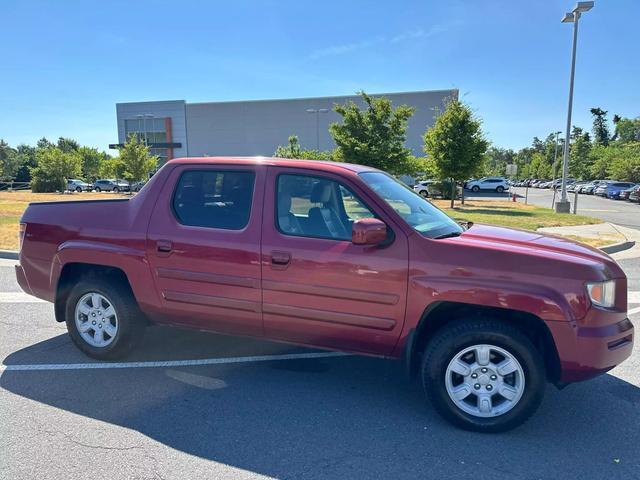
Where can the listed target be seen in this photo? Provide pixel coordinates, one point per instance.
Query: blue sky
(65, 64)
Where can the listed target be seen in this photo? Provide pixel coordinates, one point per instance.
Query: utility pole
(564, 206)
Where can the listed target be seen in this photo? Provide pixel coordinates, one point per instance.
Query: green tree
(134, 155)
(539, 167)
(111, 168)
(620, 161)
(497, 159)
(68, 144)
(627, 129)
(53, 168)
(27, 160)
(294, 150)
(373, 136)
(9, 161)
(91, 161)
(580, 162)
(456, 143)
(600, 128)
(44, 143)
(599, 163)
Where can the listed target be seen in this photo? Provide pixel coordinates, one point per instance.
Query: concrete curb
(618, 247)
(9, 254)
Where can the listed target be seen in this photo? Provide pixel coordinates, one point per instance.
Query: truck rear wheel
(103, 318)
(483, 375)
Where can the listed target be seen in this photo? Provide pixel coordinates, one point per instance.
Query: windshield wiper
(448, 235)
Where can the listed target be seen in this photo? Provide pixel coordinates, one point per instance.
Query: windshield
(423, 217)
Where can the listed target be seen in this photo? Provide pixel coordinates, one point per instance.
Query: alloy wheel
(96, 319)
(485, 380)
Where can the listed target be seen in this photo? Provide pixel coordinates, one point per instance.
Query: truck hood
(540, 245)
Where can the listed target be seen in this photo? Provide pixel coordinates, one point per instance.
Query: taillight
(21, 231)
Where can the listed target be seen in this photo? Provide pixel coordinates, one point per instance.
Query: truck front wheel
(483, 375)
(103, 318)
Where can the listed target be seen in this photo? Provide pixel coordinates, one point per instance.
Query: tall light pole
(144, 117)
(564, 206)
(555, 165)
(317, 111)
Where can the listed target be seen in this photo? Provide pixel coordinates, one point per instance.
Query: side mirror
(368, 231)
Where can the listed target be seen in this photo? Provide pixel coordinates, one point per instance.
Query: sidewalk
(613, 238)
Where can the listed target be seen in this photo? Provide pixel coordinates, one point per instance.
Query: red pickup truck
(335, 256)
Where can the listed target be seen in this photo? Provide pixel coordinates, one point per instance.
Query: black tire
(79, 189)
(116, 190)
(475, 189)
(131, 321)
(457, 336)
(98, 189)
(424, 194)
(500, 189)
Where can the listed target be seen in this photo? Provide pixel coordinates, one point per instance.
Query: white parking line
(18, 297)
(168, 363)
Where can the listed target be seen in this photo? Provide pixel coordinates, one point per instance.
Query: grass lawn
(512, 214)
(12, 204)
(503, 213)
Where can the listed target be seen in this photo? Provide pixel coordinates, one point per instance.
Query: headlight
(602, 294)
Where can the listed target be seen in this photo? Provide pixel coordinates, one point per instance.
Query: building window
(151, 131)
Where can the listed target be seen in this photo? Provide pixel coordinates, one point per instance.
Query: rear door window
(214, 198)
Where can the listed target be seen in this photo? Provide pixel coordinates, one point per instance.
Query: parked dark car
(624, 194)
(612, 189)
(111, 185)
(634, 196)
(335, 256)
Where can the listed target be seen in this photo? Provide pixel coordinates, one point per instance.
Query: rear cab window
(214, 198)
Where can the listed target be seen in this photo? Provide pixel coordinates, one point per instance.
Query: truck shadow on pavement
(342, 417)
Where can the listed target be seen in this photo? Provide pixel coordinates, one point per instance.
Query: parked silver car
(111, 185)
(77, 185)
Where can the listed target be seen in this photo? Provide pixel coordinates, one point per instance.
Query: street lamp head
(582, 7)
(568, 18)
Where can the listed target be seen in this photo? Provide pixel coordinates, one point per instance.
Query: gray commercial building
(176, 128)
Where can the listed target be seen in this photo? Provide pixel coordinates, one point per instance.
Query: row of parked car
(103, 185)
(431, 188)
(613, 189)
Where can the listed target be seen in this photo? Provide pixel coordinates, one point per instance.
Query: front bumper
(594, 346)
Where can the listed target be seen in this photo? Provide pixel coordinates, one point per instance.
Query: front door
(203, 246)
(318, 287)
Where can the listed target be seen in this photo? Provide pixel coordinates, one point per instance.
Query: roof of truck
(276, 162)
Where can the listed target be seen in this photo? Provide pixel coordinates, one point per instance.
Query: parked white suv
(422, 188)
(497, 184)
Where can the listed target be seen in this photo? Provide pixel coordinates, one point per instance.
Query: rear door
(203, 246)
(318, 287)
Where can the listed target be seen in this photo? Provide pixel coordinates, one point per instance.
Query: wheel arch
(439, 314)
(72, 272)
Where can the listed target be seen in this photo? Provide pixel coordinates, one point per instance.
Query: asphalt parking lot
(619, 212)
(326, 417)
